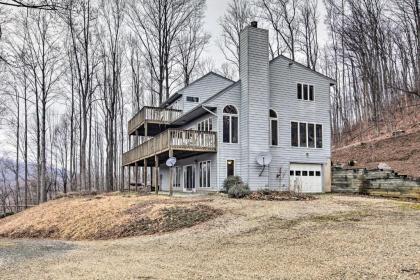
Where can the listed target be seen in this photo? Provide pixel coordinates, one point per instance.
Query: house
(216, 127)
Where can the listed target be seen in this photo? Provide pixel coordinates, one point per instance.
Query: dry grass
(332, 237)
(105, 217)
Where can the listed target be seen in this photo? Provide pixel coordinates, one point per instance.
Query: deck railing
(153, 114)
(173, 139)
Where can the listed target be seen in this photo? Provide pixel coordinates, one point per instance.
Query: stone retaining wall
(374, 182)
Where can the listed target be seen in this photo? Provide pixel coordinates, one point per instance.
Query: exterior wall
(203, 89)
(227, 151)
(164, 172)
(255, 97)
(177, 105)
(283, 100)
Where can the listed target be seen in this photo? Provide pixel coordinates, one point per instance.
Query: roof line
(207, 100)
(304, 66)
(176, 95)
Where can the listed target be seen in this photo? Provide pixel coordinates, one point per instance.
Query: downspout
(218, 146)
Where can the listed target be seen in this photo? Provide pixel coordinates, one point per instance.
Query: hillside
(401, 153)
(106, 217)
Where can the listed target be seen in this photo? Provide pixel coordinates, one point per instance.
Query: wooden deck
(192, 141)
(154, 117)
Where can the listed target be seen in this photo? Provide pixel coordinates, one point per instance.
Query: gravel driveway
(334, 237)
(14, 252)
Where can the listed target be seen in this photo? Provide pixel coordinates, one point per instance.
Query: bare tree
(309, 32)
(157, 24)
(190, 45)
(238, 15)
(112, 13)
(282, 15)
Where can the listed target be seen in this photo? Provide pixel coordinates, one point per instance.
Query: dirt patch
(106, 217)
(281, 196)
(401, 153)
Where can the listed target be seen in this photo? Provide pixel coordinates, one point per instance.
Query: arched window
(274, 133)
(230, 124)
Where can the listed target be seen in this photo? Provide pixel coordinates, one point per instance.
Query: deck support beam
(145, 174)
(137, 175)
(156, 175)
(171, 189)
(129, 177)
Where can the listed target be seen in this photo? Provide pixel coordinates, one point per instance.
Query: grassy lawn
(333, 237)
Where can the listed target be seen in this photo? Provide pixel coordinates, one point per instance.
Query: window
(306, 135)
(193, 99)
(302, 133)
(177, 177)
(273, 129)
(311, 135)
(305, 173)
(299, 91)
(230, 124)
(230, 168)
(205, 174)
(305, 92)
(297, 173)
(295, 134)
(292, 173)
(318, 173)
(205, 125)
(311, 173)
(189, 177)
(319, 136)
(311, 93)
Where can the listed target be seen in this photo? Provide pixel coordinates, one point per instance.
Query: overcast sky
(217, 8)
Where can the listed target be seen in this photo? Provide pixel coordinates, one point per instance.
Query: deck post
(129, 177)
(171, 154)
(137, 175)
(145, 173)
(156, 174)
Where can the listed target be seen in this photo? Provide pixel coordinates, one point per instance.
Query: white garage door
(306, 177)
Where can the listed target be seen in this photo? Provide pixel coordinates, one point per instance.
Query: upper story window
(193, 99)
(307, 135)
(230, 124)
(274, 135)
(305, 92)
(205, 125)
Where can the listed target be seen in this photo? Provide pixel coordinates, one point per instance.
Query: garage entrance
(306, 177)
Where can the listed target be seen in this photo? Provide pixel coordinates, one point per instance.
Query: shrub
(239, 191)
(4, 215)
(231, 181)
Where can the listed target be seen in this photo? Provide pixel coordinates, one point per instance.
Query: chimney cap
(254, 24)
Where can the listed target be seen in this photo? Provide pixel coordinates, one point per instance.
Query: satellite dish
(170, 162)
(264, 159)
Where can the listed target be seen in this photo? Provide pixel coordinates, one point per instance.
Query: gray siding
(254, 73)
(283, 99)
(203, 89)
(227, 151)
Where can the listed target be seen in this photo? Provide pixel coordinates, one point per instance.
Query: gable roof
(332, 81)
(201, 108)
(178, 94)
